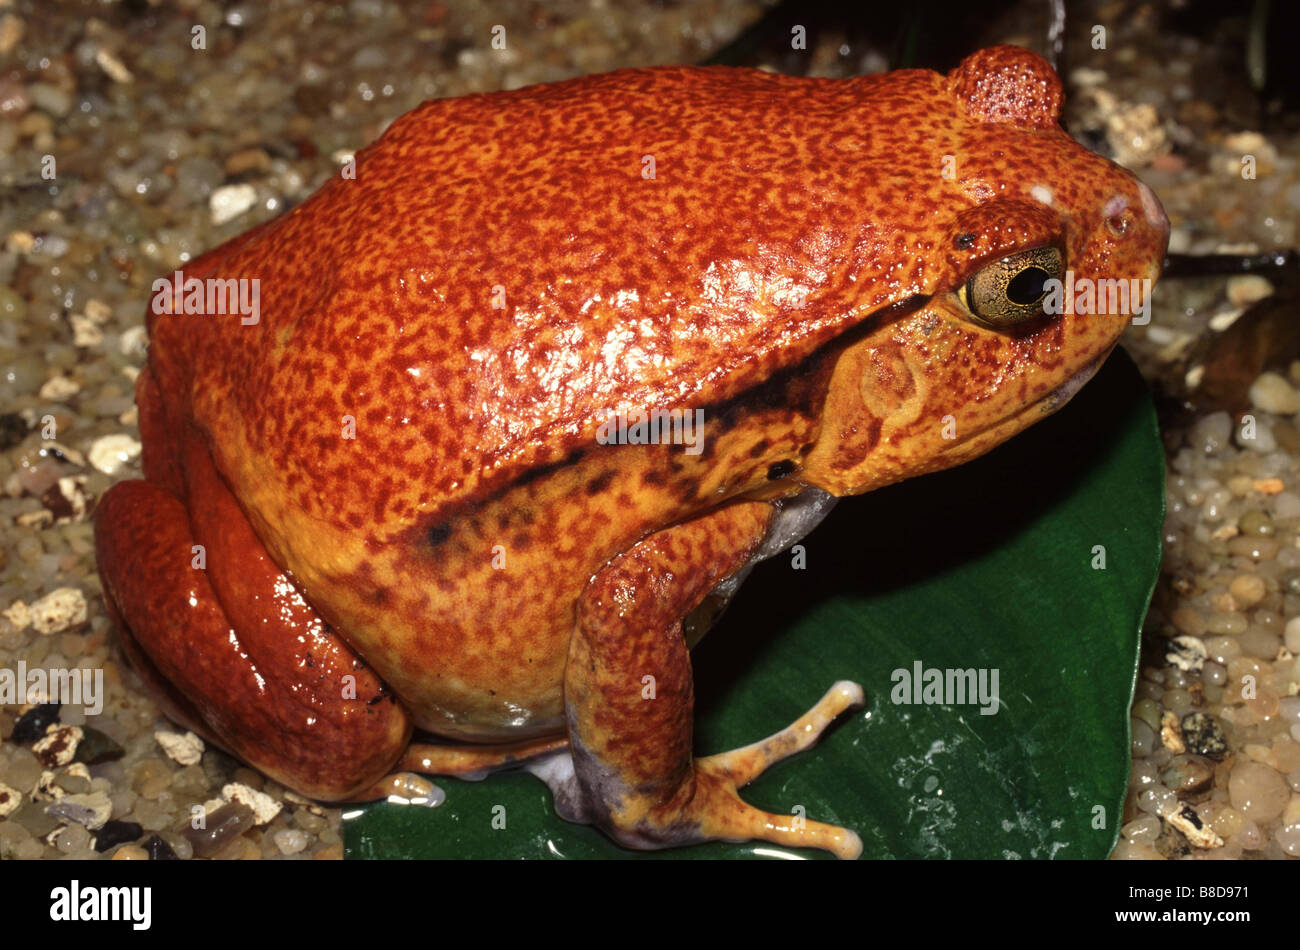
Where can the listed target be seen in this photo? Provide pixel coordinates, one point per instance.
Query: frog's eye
(1011, 291)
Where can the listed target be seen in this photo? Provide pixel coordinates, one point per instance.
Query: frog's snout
(1154, 211)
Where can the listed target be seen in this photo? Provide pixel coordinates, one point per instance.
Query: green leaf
(989, 566)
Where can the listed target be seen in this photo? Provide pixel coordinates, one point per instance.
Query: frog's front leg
(634, 773)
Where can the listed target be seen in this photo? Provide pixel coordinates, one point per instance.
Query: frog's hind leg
(629, 702)
(221, 637)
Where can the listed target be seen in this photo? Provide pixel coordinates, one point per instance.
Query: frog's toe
(474, 762)
(717, 812)
(405, 787)
(747, 763)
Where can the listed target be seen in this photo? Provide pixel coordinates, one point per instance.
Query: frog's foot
(629, 702)
(741, 766)
(223, 639)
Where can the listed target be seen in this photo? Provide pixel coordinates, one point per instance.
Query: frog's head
(1034, 254)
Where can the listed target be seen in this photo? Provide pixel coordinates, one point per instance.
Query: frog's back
(507, 269)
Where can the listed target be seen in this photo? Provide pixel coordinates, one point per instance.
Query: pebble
(10, 800)
(187, 748)
(1187, 774)
(222, 826)
(59, 387)
(11, 33)
(1293, 635)
(58, 746)
(246, 160)
(1222, 650)
(1261, 440)
(1288, 837)
(157, 849)
(59, 610)
(33, 724)
(1256, 523)
(263, 806)
(1144, 829)
(49, 98)
(151, 815)
(97, 748)
(1249, 837)
(117, 832)
(112, 66)
(1259, 642)
(1286, 506)
(1148, 710)
(1244, 289)
(1272, 393)
(1144, 738)
(29, 850)
(1212, 433)
(1157, 800)
(112, 453)
(1257, 791)
(1187, 653)
(72, 838)
(91, 810)
(290, 841)
(130, 852)
(1248, 589)
(230, 201)
(1203, 735)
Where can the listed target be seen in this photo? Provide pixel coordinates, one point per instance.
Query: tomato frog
(528, 392)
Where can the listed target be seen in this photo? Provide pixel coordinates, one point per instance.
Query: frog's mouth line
(1063, 393)
(1049, 403)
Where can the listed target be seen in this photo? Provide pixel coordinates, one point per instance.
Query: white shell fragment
(1171, 733)
(1188, 653)
(186, 749)
(1189, 823)
(18, 614)
(60, 387)
(10, 800)
(58, 610)
(264, 807)
(111, 453)
(58, 746)
(230, 201)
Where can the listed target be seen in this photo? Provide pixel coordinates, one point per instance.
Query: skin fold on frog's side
(386, 504)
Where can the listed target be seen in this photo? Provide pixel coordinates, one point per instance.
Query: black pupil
(1027, 286)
